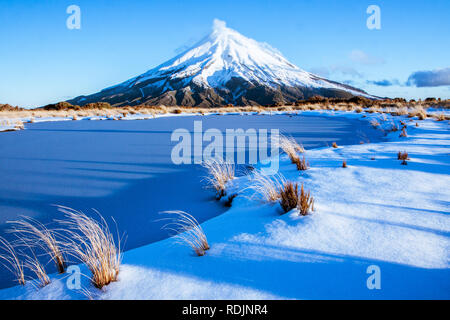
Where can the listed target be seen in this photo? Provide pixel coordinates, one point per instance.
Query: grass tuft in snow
(419, 112)
(301, 164)
(220, 173)
(187, 231)
(18, 125)
(334, 145)
(32, 263)
(92, 243)
(305, 202)
(290, 199)
(344, 164)
(10, 261)
(394, 127)
(266, 187)
(290, 147)
(33, 233)
(375, 123)
(403, 134)
(402, 155)
(289, 196)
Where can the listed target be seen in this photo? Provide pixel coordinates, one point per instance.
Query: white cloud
(362, 57)
(336, 69)
(219, 24)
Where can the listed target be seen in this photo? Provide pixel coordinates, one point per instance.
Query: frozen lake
(124, 168)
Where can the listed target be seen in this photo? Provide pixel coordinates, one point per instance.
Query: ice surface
(374, 212)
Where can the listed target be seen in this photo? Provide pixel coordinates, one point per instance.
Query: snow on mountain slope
(225, 54)
(224, 67)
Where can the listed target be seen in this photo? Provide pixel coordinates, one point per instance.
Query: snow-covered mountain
(223, 68)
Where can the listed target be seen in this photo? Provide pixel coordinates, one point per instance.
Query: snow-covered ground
(374, 212)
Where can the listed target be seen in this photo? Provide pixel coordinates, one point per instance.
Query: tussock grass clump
(344, 164)
(34, 233)
(187, 231)
(422, 115)
(394, 127)
(290, 147)
(402, 155)
(418, 112)
(291, 199)
(267, 187)
(32, 263)
(92, 243)
(289, 196)
(305, 202)
(374, 123)
(440, 117)
(220, 173)
(19, 125)
(403, 134)
(334, 145)
(401, 111)
(301, 164)
(11, 261)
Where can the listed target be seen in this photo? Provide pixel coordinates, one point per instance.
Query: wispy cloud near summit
(362, 57)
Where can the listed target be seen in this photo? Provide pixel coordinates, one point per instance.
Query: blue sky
(42, 61)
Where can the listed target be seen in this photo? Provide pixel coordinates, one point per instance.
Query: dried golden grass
(35, 234)
(404, 134)
(418, 111)
(267, 188)
(19, 125)
(374, 123)
(305, 202)
(11, 261)
(394, 127)
(402, 155)
(290, 147)
(400, 111)
(289, 196)
(344, 164)
(91, 242)
(187, 231)
(291, 199)
(220, 173)
(334, 145)
(33, 264)
(301, 164)
(392, 106)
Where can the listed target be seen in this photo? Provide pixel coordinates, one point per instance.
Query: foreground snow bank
(374, 212)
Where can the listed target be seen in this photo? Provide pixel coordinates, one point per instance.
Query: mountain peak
(225, 67)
